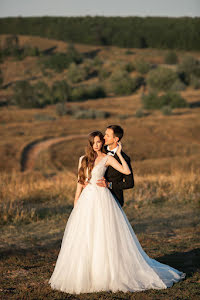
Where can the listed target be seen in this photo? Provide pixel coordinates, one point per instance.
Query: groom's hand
(102, 182)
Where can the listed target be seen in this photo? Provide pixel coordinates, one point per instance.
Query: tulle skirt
(100, 251)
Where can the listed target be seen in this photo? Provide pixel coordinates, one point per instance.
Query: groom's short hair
(117, 130)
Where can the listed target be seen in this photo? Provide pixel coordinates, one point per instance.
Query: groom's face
(109, 137)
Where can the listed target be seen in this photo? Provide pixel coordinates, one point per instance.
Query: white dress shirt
(114, 150)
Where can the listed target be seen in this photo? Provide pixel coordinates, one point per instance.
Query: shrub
(103, 74)
(137, 81)
(171, 58)
(90, 114)
(11, 45)
(161, 78)
(122, 84)
(1, 78)
(175, 100)
(60, 91)
(78, 94)
(178, 85)
(81, 93)
(166, 110)
(74, 55)
(61, 61)
(142, 66)
(42, 117)
(25, 96)
(188, 67)
(123, 116)
(172, 99)
(98, 62)
(43, 93)
(76, 74)
(58, 62)
(129, 67)
(129, 52)
(151, 101)
(31, 51)
(95, 91)
(139, 113)
(194, 82)
(62, 109)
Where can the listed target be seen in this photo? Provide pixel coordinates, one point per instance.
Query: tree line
(128, 32)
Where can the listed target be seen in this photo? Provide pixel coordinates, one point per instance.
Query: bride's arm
(124, 168)
(79, 186)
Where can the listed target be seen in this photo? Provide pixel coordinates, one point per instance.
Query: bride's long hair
(87, 162)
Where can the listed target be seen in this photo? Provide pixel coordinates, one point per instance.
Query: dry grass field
(163, 208)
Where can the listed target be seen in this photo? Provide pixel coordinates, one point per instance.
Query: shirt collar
(114, 150)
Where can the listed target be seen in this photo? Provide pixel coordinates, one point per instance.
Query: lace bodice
(99, 170)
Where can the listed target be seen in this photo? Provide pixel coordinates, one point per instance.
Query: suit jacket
(119, 181)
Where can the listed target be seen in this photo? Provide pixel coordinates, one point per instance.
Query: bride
(99, 249)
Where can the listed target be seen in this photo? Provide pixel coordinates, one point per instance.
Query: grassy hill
(163, 207)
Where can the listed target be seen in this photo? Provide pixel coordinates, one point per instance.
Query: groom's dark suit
(119, 181)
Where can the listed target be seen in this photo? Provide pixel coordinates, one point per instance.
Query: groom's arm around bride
(113, 179)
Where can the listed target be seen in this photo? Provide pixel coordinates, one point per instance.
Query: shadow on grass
(187, 262)
(194, 104)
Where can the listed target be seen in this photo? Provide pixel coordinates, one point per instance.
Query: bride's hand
(119, 148)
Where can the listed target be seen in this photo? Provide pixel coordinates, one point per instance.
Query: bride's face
(97, 145)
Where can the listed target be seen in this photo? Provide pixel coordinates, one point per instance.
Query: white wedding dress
(100, 251)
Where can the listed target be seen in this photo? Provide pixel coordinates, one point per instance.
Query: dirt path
(31, 151)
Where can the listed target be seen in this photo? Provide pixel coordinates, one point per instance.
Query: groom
(114, 180)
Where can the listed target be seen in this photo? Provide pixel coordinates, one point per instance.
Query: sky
(142, 8)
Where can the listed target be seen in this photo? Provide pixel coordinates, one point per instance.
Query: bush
(171, 58)
(95, 91)
(178, 85)
(137, 81)
(172, 99)
(123, 116)
(43, 93)
(1, 78)
(161, 78)
(103, 74)
(142, 66)
(194, 82)
(122, 84)
(166, 110)
(129, 67)
(61, 61)
(97, 62)
(41, 117)
(62, 109)
(129, 52)
(74, 55)
(81, 93)
(188, 67)
(90, 114)
(31, 51)
(60, 91)
(58, 62)
(76, 74)
(151, 101)
(139, 113)
(25, 95)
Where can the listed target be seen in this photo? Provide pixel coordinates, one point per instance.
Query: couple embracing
(99, 249)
